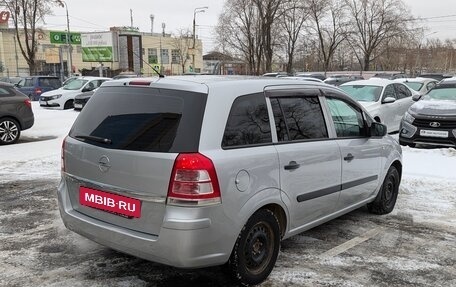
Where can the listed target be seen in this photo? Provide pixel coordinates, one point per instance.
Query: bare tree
(26, 15)
(267, 16)
(237, 31)
(293, 18)
(373, 23)
(181, 44)
(329, 23)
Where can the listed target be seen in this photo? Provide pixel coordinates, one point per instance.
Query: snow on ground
(413, 246)
(37, 154)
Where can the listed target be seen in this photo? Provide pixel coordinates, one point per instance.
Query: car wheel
(68, 105)
(9, 131)
(386, 197)
(256, 249)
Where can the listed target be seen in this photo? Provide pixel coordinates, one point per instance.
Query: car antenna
(160, 75)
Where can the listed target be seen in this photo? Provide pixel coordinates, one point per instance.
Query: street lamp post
(68, 41)
(197, 10)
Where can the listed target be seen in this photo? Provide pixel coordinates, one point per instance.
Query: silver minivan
(201, 171)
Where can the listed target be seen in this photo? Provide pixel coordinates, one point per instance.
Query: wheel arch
(265, 199)
(13, 118)
(398, 165)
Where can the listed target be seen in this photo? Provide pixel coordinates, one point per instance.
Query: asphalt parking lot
(358, 249)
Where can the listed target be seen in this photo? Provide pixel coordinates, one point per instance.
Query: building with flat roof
(118, 50)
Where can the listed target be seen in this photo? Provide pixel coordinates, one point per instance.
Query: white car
(63, 98)
(421, 85)
(386, 100)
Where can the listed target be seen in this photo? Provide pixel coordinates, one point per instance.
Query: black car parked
(16, 114)
(81, 99)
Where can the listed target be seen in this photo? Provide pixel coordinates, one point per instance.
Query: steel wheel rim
(259, 247)
(8, 131)
(390, 189)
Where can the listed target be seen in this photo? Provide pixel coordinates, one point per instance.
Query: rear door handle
(292, 165)
(349, 157)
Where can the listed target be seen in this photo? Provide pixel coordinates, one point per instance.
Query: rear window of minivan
(142, 119)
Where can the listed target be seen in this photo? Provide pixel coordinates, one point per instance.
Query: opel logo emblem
(103, 164)
(434, 124)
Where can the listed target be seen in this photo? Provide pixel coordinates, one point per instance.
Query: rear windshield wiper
(94, 138)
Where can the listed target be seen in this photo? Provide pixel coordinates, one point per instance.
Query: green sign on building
(97, 54)
(61, 37)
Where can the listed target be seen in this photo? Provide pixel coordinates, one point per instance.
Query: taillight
(28, 103)
(38, 91)
(62, 155)
(193, 181)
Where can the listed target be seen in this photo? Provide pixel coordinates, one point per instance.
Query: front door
(361, 154)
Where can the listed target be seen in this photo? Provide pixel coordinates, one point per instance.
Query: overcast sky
(99, 15)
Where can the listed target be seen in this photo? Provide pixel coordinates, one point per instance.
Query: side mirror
(377, 130)
(389, 100)
(416, 97)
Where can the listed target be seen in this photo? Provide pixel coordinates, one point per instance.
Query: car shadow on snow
(30, 139)
(119, 265)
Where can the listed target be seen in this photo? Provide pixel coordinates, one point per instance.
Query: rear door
(388, 111)
(361, 154)
(310, 163)
(124, 143)
(404, 101)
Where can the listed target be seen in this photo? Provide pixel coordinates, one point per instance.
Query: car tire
(256, 249)
(387, 195)
(68, 105)
(10, 131)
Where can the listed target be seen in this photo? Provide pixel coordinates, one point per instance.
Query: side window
(248, 122)
(5, 92)
(298, 118)
(44, 82)
(402, 91)
(348, 120)
(430, 85)
(28, 83)
(389, 92)
(55, 83)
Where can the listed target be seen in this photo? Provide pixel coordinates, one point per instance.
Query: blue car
(34, 86)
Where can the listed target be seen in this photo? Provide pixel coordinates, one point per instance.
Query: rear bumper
(183, 243)
(28, 122)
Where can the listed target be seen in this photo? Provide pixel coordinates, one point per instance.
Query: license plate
(78, 106)
(118, 204)
(43, 103)
(435, 134)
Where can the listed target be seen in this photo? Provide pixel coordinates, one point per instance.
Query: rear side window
(142, 119)
(55, 83)
(298, 118)
(248, 122)
(402, 91)
(6, 92)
